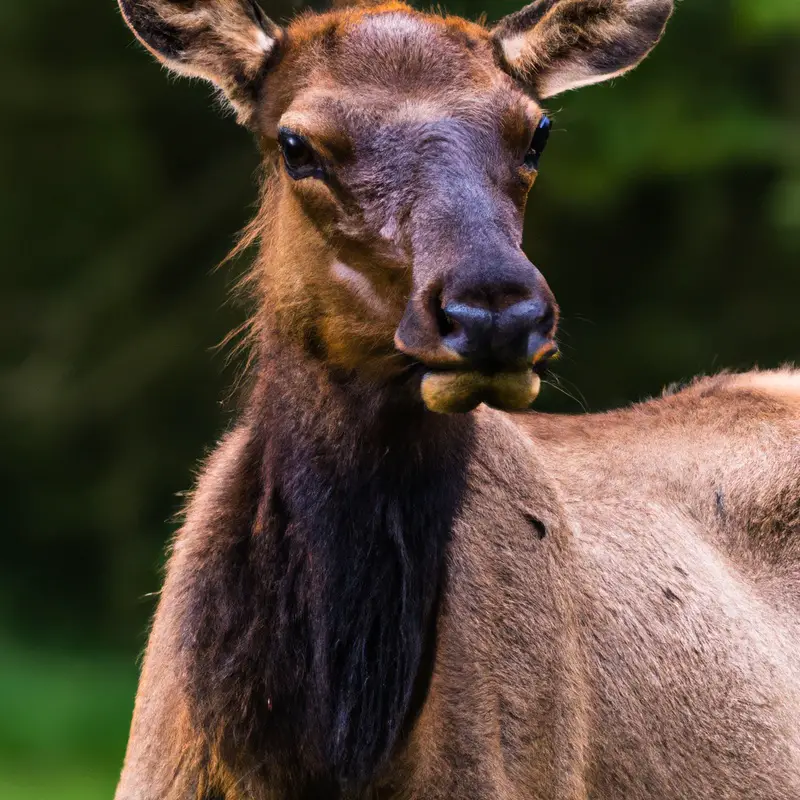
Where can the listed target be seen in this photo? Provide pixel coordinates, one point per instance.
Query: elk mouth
(462, 368)
(458, 391)
(451, 389)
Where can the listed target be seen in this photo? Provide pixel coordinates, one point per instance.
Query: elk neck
(320, 622)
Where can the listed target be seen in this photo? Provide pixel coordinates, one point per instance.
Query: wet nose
(499, 338)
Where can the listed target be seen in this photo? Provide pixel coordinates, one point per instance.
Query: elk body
(372, 599)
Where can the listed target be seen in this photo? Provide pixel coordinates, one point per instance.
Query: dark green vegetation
(666, 219)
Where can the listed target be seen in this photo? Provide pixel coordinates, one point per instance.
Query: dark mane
(310, 620)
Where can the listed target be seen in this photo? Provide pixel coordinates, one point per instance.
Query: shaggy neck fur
(314, 631)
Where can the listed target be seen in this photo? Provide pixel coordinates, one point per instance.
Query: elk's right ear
(231, 43)
(556, 45)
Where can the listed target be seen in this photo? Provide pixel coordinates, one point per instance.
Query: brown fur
(370, 600)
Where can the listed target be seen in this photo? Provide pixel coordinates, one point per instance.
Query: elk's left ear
(228, 42)
(557, 45)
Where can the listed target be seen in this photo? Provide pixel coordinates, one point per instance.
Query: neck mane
(315, 628)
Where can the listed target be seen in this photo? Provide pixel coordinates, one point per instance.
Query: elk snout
(497, 320)
(506, 338)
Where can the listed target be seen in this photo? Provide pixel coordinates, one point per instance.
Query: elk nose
(499, 339)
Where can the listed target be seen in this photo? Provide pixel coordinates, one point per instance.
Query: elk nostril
(474, 320)
(548, 320)
(445, 325)
(521, 317)
(470, 330)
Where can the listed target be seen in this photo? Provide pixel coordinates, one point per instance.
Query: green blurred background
(666, 219)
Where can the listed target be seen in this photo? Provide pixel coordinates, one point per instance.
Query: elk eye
(298, 155)
(538, 143)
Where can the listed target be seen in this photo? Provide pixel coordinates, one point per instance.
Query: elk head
(405, 145)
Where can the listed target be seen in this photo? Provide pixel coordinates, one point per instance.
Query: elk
(373, 596)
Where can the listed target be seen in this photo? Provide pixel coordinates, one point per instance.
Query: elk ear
(228, 42)
(557, 45)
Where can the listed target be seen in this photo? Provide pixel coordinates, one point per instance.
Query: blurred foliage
(666, 219)
(64, 722)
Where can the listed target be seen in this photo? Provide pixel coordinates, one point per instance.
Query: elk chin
(456, 392)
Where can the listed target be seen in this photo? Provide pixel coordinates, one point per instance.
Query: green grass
(57, 784)
(63, 723)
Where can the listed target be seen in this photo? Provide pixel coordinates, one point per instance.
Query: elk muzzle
(481, 337)
(508, 338)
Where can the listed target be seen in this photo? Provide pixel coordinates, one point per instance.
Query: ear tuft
(228, 42)
(557, 45)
